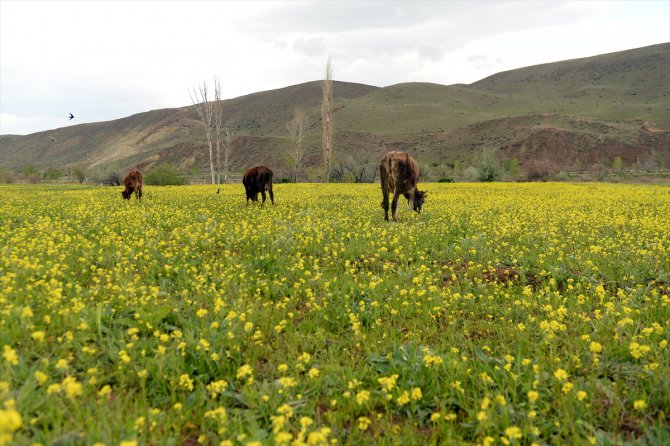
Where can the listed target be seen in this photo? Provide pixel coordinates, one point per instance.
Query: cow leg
(263, 194)
(272, 196)
(385, 192)
(385, 203)
(410, 200)
(394, 205)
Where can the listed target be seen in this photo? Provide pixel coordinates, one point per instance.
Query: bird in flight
(71, 116)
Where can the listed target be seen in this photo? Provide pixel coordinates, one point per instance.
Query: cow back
(257, 178)
(133, 179)
(399, 169)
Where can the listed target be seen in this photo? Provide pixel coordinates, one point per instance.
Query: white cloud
(313, 46)
(106, 60)
(25, 125)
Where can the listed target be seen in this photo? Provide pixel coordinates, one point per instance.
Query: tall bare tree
(218, 123)
(296, 128)
(327, 122)
(229, 131)
(204, 107)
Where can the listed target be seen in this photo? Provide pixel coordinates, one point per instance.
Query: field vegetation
(503, 314)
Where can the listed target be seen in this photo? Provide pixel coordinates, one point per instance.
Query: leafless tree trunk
(204, 107)
(327, 121)
(218, 122)
(296, 128)
(227, 148)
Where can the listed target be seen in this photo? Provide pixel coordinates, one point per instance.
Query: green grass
(527, 313)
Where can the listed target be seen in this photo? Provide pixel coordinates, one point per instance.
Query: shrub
(489, 167)
(31, 174)
(512, 167)
(471, 174)
(539, 170)
(445, 179)
(109, 178)
(164, 175)
(52, 173)
(79, 173)
(6, 175)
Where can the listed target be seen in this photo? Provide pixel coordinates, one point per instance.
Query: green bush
(79, 173)
(164, 175)
(52, 173)
(6, 175)
(489, 167)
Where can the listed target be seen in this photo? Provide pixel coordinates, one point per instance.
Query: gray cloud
(460, 19)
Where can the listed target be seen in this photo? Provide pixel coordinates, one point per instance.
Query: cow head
(126, 194)
(419, 198)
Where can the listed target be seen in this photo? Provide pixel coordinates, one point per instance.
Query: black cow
(258, 179)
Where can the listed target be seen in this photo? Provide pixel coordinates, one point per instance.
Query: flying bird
(71, 117)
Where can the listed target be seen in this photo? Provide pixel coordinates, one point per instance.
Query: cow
(258, 179)
(399, 175)
(133, 183)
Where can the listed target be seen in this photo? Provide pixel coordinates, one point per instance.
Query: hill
(573, 115)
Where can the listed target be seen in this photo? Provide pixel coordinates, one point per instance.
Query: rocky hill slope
(572, 115)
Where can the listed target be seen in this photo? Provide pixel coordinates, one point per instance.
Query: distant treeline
(484, 168)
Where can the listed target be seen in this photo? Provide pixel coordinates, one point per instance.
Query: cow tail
(389, 166)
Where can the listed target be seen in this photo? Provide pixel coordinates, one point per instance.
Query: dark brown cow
(133, 183)
(399, 175)
(258, 179)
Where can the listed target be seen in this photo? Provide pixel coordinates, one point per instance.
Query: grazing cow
(399, 175)
(258, 179)
(133, 183)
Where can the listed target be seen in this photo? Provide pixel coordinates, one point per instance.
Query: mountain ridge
(574, 114)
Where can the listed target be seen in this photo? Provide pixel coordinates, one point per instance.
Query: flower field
(503, 314)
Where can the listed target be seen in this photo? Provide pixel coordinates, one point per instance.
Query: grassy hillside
(626, 85)
(574, 114)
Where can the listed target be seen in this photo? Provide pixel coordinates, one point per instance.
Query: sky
(107, 60)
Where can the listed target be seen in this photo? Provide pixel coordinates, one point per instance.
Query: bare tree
(327, 122)
(296, 128)
(204, 107)
(218, 122)
(357, 169)
(230, 131)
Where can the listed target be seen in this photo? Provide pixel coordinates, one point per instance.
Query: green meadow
(514, 314)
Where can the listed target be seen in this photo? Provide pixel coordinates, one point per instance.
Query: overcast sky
(107, 60)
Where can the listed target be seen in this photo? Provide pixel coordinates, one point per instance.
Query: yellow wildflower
(561, 375)
(10, 355)
(362, 397)
(363, 423)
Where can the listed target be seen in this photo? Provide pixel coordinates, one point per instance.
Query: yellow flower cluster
(488, 317)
